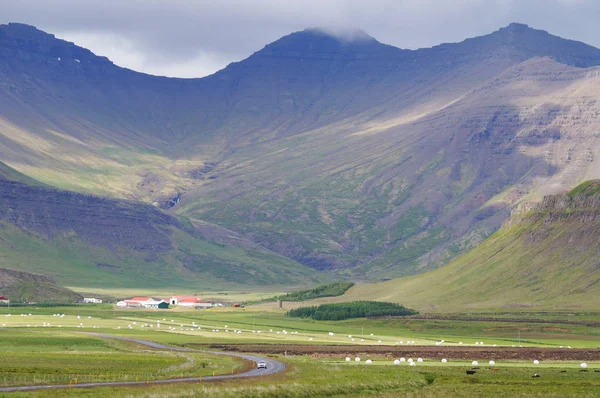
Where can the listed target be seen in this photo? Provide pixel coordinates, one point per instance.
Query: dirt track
(450, 352)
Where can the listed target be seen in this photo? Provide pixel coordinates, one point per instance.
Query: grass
(49, 354)
(315, 377)
(55, 357)
(330, 290)
(389, 331)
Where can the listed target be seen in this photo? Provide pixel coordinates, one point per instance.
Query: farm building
(145, 302)
(129, 304)
(203, 305)
(92, 300)
(4, 300)
(159, 304)
(185, 301)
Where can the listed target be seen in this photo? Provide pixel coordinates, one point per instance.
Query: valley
(356, 159)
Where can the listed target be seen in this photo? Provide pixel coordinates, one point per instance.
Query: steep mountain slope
(340, 154)
(21, 286)
(87, 241)
(545, 256)
(409, 195)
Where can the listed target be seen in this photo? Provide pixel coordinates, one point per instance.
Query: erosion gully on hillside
(548, 354)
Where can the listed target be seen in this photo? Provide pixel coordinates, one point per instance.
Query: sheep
(492, 363)
(348, 359)
(419, 359)
(584, 365)
(369, 362)
(402, 359)
(536, 362)
(474, 363)
(444, 360)
(413, 364)
(396, 362)
(357, 359)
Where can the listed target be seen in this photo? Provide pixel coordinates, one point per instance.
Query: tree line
(354, 309)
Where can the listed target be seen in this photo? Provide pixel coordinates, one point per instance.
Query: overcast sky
(193, 38)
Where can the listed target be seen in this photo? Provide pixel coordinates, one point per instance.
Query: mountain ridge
(370, 167)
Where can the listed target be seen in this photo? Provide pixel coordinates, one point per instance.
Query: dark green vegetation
(349, 156)
(21, 286)
(330, 290)
(544, 257)
(354, 309)
(587, 189)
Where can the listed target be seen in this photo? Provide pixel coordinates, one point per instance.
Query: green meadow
(53, 345)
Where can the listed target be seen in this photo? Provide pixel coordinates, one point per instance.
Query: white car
(261, 365)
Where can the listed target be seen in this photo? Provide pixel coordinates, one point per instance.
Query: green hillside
(546, 256)
(93, 242)
(21, 286)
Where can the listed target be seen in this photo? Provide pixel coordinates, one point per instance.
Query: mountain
(340, 153)
(21, 286)
(545, 256)
(90, 242)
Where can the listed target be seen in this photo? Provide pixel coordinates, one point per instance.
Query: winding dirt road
(273, 367)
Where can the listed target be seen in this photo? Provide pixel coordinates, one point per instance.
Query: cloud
(191, 38)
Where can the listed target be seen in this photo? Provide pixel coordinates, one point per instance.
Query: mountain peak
(347, 35)
(328, 43)
(517, 25)
(22, 42)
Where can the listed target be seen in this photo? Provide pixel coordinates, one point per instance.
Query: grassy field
(58, 357)
(48, 347)
(314, 377)
(222, 326)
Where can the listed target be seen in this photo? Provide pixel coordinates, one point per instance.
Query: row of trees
(330, 290)
(355, 309)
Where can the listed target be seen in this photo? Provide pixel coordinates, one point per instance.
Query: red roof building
(184, 300)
